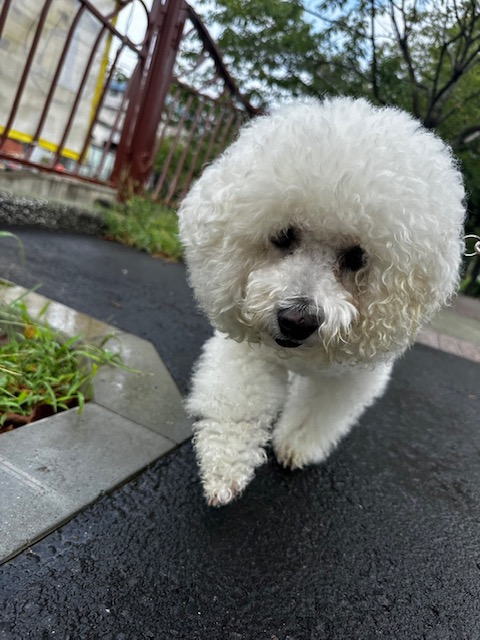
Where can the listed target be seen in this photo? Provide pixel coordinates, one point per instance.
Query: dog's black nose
(297, 322)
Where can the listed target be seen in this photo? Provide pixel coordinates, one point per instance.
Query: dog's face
(329, 230)
(304, 290)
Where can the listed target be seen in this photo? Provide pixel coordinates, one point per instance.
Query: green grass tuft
(38, 368)
(146, 225)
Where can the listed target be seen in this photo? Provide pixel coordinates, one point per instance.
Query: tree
(265, 44)
(420, 55)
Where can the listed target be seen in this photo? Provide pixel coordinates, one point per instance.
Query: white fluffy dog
(317, 244)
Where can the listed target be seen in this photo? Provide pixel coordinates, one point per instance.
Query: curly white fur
(317, 245)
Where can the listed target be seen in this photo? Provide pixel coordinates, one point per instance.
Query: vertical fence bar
(168, 115)
(181, 160)
(26, 71)
(213, 137)
(187, 179)
(56, 76)
(139, 155)
(3, 15)
(173, 146)
(191, 173)
(143, 120)
(98, 107)
(113, 131)
(226, 129)
(76, 102)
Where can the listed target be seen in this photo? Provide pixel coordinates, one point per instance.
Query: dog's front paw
(220, 496)
(228, 455)
(289, 458)
(224, 483)
(299, 446)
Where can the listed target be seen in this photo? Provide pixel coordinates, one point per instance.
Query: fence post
(136, 150)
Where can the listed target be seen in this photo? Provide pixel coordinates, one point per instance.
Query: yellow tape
(50, 146)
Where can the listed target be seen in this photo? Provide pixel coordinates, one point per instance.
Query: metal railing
(204, 110)
(70, 104)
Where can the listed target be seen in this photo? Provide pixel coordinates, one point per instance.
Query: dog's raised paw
(289, 458)
(222, 497)
(296, 449)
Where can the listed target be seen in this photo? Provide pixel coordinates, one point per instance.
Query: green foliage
(419, 55)
(268, 45)
(39, 368)
(414, 54)
(146, 225)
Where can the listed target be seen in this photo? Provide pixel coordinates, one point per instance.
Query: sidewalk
(380, 541)
(456, 329)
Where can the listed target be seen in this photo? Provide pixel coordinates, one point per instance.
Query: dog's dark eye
(353, 259)
(285, 239)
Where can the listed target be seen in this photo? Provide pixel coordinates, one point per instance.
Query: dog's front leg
(235, 396)
(321, 410)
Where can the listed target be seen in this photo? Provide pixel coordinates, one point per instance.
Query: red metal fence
(80, 97)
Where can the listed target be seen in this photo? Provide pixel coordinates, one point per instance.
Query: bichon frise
(317, 244)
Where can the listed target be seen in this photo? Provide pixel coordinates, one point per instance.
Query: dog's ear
(398, 303)
(213, 267)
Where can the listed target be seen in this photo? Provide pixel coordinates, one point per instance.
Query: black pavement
(382, 541)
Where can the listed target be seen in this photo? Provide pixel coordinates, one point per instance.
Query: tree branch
(473, 96)
(460, 141)
(465, 56)
(375, 87)
(402, 41)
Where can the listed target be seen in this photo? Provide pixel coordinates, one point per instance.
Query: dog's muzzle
(296, 324)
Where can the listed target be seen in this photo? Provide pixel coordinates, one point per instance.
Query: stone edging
(55, 467)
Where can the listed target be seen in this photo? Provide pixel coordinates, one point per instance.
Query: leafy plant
(39, 369)
(146, 225)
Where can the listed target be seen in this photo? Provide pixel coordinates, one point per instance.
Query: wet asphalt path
(116, 284)
(382, 541)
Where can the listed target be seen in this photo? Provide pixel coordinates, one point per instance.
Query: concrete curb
(53, 468)
(49, 214)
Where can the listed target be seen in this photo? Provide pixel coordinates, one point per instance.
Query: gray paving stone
(55, 467)
(151, 397)
(83, 455)
(52, 469)
(28, 509)
(60, 317)
(449, 322)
